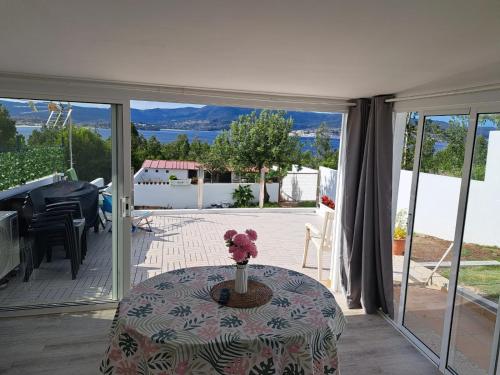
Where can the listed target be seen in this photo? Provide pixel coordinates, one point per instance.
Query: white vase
(241, 280)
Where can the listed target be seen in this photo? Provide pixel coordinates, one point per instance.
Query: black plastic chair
(75, 208)
(55, 228)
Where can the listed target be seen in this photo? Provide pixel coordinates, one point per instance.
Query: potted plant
(400, 233)
(326, 205)
(242, 248)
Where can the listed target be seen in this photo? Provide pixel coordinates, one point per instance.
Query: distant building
(162, 170)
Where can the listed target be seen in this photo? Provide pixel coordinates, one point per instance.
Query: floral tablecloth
(170, 325)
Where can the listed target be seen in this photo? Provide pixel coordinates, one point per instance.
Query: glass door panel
(440, 171)
(56, 160)
(404, 154)
(478, 287)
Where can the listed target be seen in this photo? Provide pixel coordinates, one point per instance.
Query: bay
(170, 135)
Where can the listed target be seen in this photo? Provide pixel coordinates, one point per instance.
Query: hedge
(17, 168)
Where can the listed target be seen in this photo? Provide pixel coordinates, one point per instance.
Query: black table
(84, 192)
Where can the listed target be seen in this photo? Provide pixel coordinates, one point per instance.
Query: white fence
(299, 185)
(328, 182)
(178, 197)
(437, 202)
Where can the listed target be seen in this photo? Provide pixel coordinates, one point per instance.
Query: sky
(137, 104)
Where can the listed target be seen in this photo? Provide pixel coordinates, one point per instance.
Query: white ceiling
(329, 48)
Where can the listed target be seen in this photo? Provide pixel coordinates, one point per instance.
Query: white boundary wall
(437, 202)
(299, 185)
(328, 182)
(179, 197)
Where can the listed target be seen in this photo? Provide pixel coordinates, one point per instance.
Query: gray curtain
(366, 252)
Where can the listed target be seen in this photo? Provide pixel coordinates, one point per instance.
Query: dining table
(169, 324)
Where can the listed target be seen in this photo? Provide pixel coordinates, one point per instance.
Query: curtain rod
(446, 93)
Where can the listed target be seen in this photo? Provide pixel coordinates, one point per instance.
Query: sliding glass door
(61, 161)
(451, 278)
(437, 196)
(478, 282)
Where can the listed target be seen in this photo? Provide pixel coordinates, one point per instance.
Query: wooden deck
(177, 241)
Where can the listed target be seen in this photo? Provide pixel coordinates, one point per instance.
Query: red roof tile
(170, 164)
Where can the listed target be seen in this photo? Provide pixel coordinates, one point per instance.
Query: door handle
(126, 207)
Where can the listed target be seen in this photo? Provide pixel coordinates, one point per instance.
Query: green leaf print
(278, 323)
(164, 285)
(164, 335)
(141, 311)
(230, 321)
(160, 361)
(329, 370)
(180, 271)
(127, 344)
(216, 277)
(297, 286)
(220, 353)
(106, 368)
(321, 344)
(151, 296)
(203, 294)
(329, 312)
(293, 369)
(196, 322)
(181, 311)
(281, 302)
(264, 368)
(300, 312)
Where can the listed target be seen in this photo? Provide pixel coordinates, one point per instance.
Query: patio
(178, 240)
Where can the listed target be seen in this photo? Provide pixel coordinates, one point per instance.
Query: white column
(201, 177)
(262, 185)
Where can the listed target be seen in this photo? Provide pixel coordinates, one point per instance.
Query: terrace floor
(177, 241)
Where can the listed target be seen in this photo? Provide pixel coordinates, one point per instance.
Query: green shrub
(172, 177)
(19, 167)
(242, 196)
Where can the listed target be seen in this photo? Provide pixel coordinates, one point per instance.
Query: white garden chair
(321, 239)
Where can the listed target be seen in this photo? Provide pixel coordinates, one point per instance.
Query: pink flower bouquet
(241, 245)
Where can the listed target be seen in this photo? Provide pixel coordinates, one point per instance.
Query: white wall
(150, 174)
(186, 196)
(328, 182)
(437, 202)
(300, 185)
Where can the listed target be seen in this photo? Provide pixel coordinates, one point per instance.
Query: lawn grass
(486, 279)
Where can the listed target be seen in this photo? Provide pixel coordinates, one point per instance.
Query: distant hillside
(204, 118)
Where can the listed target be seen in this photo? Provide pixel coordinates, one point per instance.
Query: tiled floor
(177, 241)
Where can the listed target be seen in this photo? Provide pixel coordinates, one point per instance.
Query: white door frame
(441, 358)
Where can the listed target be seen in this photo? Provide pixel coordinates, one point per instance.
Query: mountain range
(203, 118)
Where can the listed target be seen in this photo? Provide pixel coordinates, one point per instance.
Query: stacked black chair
(55, 228)
(75, 208)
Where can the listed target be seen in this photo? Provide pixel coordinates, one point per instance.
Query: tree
(263, 140)
(138, 144)
(450, 160)
(8, 131)
(178, 149)
(198, 150)
(217, 159)
(91, 153)
(325, 155)
(322, 142)
(409, 141)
